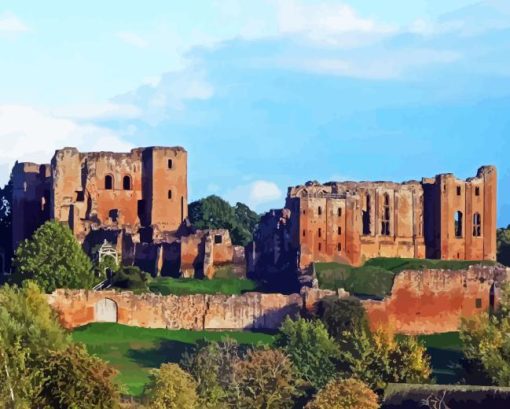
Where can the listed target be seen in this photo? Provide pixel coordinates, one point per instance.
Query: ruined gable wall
(30, 199)
(196, 312)
(434, 301)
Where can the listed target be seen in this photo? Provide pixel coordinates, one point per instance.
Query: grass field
(135, 351)
(185, 286)
(445, 351)
(375, 277)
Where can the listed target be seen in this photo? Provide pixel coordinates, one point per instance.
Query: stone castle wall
(422, 302)
(434, 301)
(350, 222)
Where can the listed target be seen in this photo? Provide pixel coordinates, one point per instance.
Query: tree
(310, 348)
(265, 379)
(379, 358)
(213, 212)
(28, 330)
(211, 365)
(342, 316)
(53, 259)
(345, 394)
(76, 380)
(503, 243)
(486, 344)
(171, 388)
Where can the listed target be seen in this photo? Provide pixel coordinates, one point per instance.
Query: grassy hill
(375, 277)
(134, 351)
(186, 286)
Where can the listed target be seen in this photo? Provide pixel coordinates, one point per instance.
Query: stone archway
(106, 311)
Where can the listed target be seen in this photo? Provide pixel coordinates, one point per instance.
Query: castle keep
(348, 222)
(138, 201)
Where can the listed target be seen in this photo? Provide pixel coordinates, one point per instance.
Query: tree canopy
(53, 259)
(345, 394)
(213, 212)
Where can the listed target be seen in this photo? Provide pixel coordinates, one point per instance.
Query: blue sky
(263, 94)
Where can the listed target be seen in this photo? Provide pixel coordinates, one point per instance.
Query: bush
(342, 316)
(171, 388)
(53, 259)
(345, 394)
(131, 278)
(310, 348)
(76, 380)
(265, 379)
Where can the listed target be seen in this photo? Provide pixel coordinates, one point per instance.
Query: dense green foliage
(215, 213)
(379, 358)
(341, 315)
(74, 379)
(212, 366)
(135, 351)
(264, 379)
(345, 394)
(375, 277)
(486, 344)
(503, 241)
(310, 348)
(131, 278)
(53, 259)
(39, 366)
(185, 286)
(171, 388)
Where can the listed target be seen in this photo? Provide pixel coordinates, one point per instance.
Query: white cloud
(27, 134)
(328, 23)
(132, 39)
(380, 65)
(256, 194)
(9, 23)
(169, 95)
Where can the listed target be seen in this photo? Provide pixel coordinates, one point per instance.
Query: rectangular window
(320, 246)
(169, 194)
(339, 230)
(459, 190)
(477, 191)
(339, 247)
(170, 163)
(218, 239)
(304, 233)
(339, 212)
(320, 232)
(478, 303)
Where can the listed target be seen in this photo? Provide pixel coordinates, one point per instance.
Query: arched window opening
(319, 210)
(477, 225)
(108, 182)
(385, 224)
(458, 224)
(365, 216)
(339, 247)
(320, 232)
(126, 183)
(339, 212)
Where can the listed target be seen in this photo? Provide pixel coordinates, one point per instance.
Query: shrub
(310, 348)
(171, 388)
(342, 316)
(131, 278)
(345, 394)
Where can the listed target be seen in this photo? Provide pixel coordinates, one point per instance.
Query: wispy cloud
(132, 39)
(256, 194)
(9, 23)
(28, 134)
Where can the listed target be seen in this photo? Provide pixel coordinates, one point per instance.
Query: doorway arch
(106, 310)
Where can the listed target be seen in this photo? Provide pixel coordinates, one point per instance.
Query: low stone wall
(197, 312)
(434, 301)
(422, 302)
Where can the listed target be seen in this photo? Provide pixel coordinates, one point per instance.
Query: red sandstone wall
(434, 301)
(197, 312)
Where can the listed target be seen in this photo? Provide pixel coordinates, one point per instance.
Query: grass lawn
(445, 351)
(375, 277)
(135, 351)
(185, 286)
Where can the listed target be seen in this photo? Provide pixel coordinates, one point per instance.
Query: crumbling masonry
(138, 201)
(348, 222)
